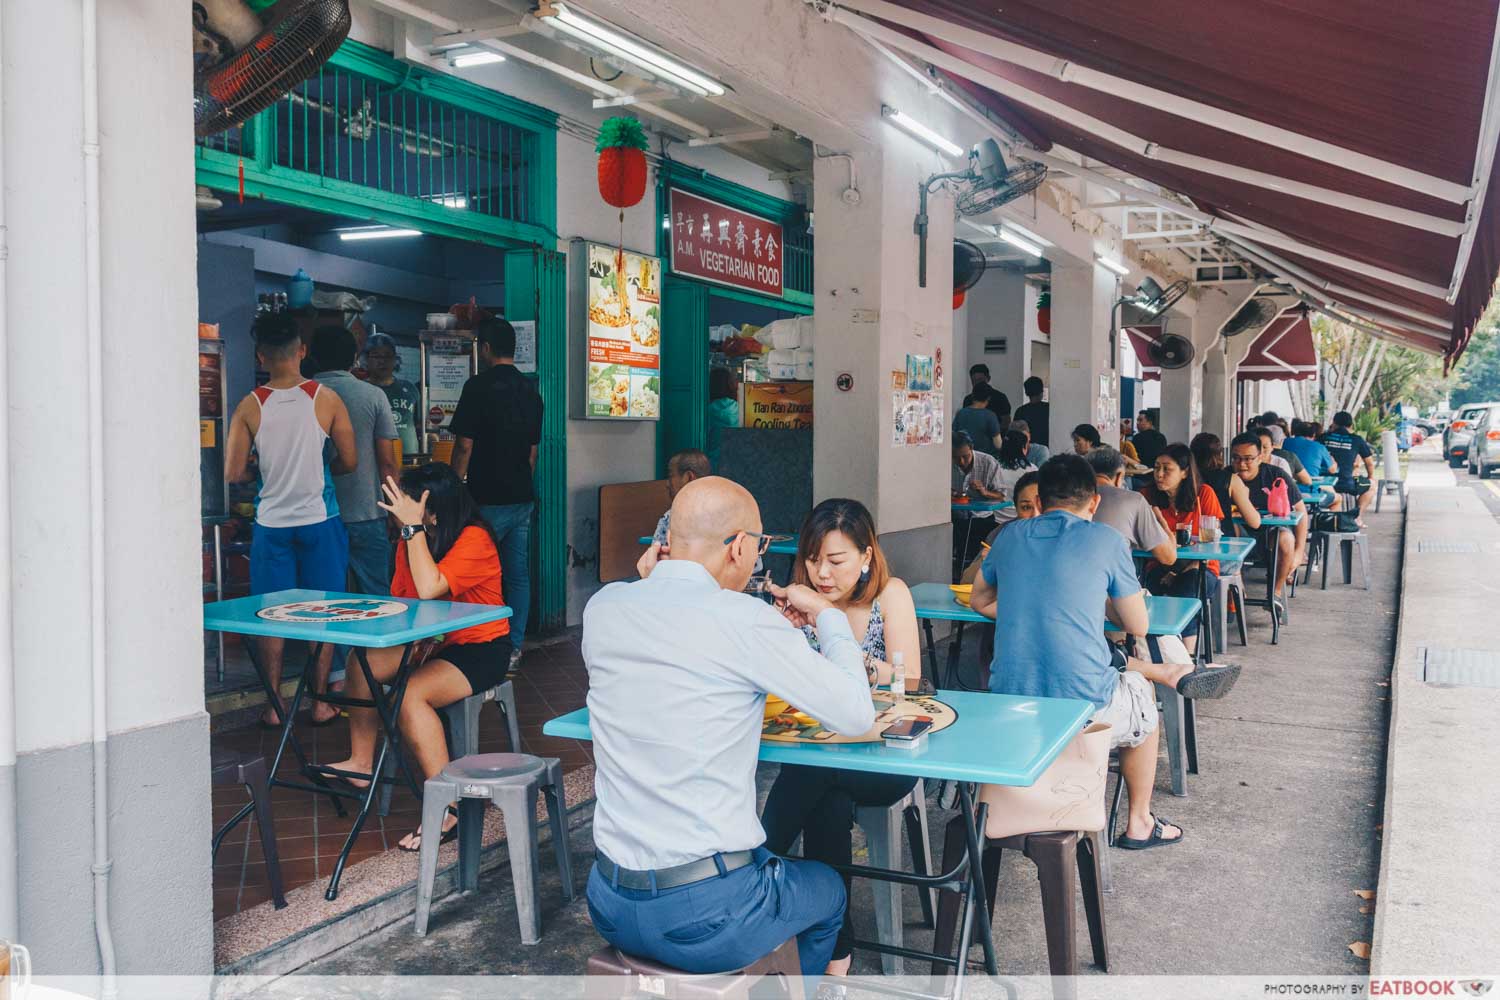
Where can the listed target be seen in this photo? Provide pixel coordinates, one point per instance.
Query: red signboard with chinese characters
(724, 245)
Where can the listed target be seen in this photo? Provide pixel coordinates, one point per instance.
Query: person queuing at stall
(1351, 452)
(1035, 412)
(1314, 456)
(381, 364)
(1149, 442)
(1180, 499)
(1085, 439)
(498, 428)
(332, 354)
(975, 474)
(839, 556)
(447, 552)
(1048, 582)
(1127, 511)
(1036, 454)
(723, 409)
(978, 375)
(979, 422)
(299, 539)
(678, 841)
(999, 401)
(1244, 452)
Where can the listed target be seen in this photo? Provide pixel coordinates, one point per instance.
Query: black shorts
(1354, 489)
(483, 664)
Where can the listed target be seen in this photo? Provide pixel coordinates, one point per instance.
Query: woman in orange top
(1181, 499)
(447, 553)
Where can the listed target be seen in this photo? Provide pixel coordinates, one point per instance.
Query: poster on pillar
(717, 243)
(623, 298)
(916, 418)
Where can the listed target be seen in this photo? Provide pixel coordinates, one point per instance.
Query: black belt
(677, 875)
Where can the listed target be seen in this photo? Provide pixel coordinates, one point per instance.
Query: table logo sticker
(322, 612)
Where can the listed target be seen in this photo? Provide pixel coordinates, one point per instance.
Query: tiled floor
(309, 835)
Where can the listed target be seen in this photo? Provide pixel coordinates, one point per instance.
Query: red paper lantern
(622, 176)
(958, 299)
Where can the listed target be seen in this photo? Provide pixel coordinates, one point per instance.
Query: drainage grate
(1446, 545)
(1461, 667)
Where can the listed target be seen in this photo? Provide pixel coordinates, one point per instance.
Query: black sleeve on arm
(465, 415)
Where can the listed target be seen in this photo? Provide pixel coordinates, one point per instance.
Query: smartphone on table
(910, 728)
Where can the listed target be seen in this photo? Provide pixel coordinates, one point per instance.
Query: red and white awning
(1283, 351)
(1348, 148)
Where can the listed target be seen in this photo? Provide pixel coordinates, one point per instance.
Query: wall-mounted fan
(987, 184)
(246, 55)
(1171, 352)
(968, 268)
(1251, 316)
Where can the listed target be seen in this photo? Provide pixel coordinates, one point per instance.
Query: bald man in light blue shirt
(680, 664)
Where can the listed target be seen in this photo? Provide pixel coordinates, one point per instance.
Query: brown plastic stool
(1055, 855)
(614, 975)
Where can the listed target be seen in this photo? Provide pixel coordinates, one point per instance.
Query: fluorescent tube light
(453, 201)
(1020, 243)
(655, 62)
(476, 59)
(377, 233)
(920, 131)
(1112, 265)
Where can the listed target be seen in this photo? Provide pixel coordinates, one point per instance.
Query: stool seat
(511, 768)
(608, 966)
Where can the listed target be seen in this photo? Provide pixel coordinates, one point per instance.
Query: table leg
(388, 714)
(219, 587)
(1190, 734)
(1205, 626)
(288, 735)
(931, 650)
(955, 647)
(1273, 560)
(981, 908)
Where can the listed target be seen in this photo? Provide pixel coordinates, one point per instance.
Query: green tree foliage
(1478, 377)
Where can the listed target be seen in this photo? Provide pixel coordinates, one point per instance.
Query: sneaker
(515, 660)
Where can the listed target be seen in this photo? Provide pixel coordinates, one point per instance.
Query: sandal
(1209, 682)
(1159, 827)
(448, 836)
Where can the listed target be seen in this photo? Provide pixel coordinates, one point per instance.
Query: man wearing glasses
(1245, 454)
(680, 663)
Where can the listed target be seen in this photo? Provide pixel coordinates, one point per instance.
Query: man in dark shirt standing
(1035, 412)
(1351, 451)
(498, 426)
(1149, 442)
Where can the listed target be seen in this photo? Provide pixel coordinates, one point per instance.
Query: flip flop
(1209, 682)
(1155, 840)
(448, 836)
(326, 722)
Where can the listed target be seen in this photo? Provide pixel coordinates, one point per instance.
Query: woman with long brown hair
(839, 556)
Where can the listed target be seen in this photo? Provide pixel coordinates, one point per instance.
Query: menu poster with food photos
(624, 334)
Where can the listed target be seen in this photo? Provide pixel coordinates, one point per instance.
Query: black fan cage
(968, 265)
(1018, 181)
(300, 36)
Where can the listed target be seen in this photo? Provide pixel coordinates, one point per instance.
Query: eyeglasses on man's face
(1245, 458)
(763, 539)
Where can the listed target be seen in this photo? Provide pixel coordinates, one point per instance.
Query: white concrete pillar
(1217, 394)
(159, 807)
(997, 311)
(1182, 389)
(1083, 387)
(870, 315)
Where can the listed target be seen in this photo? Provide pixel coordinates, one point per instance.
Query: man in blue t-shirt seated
(1315, 458)
(1351, 452)
(1052, 579)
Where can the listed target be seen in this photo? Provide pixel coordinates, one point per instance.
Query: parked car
(1456, 438)
(1484, 445)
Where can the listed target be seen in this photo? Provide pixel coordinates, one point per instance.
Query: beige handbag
(1068, 796)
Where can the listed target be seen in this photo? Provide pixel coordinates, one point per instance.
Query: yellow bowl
(962, 592)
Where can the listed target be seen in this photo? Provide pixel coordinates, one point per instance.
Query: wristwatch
(409, 531)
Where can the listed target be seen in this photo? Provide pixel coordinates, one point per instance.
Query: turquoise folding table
(1273, 557)
(997, 740)
(360, 621)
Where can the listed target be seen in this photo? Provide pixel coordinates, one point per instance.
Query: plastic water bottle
(299, 290)
(898, 676)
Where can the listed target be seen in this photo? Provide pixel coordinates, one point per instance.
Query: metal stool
(1346, 541)
(882, 826)
(1399, 485)
(462, 724)
(510, 781)
(230, 768)
(614, 975)
(1231, 584)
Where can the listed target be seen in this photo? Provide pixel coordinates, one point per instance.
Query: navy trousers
(726, 923)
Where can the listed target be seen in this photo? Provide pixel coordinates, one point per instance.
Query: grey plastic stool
(463, 731)
(882, 826)
(1231, 584)
(1399, 485)
(510, 781)
(1346, 541)
(230, 768)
